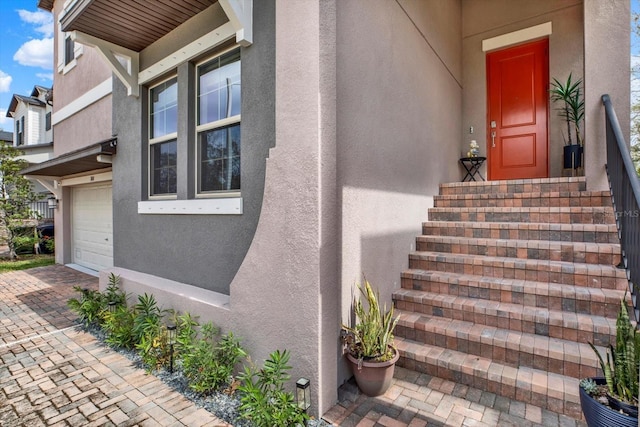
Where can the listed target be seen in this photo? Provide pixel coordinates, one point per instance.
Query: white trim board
(222, 206)
(519, 36)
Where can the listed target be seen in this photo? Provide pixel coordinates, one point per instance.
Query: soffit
(134, 24)
(83, 160)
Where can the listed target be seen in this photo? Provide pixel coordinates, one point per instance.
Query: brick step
(590, 253)
(543, 185)
(555, 392)
(516, 317)
(512, 348)
(570, 215)
(552, 199)
(593, 276)
(595, 233)
(554, 296)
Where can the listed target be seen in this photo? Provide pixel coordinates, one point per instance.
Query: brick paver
(53, 374)
(420, 400)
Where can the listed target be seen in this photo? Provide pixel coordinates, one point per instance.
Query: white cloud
(36, 53)
(45, 76)
(6, 123)
(5, 82)
(43, 21)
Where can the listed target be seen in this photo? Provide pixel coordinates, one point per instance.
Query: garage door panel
(92, 227)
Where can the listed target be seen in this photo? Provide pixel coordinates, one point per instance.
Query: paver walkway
(52, 374)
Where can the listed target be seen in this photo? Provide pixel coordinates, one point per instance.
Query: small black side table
(472, 166)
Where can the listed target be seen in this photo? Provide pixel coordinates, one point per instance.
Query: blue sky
(26, 51)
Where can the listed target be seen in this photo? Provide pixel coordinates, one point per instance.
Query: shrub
(119, 327)
(209, 364)
(264, 401)
(89, 307)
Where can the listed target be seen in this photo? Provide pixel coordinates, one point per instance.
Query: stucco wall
(484, 19)
(200, 250)
(607, 71)
(398, 119)
(86, 127)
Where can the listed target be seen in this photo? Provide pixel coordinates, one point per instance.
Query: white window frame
(77, 51)
(227, 121)
(159, 140)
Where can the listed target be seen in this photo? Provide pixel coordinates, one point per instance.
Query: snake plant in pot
(370, 350)
(613, 400)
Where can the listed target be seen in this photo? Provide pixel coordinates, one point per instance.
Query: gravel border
(220, 404)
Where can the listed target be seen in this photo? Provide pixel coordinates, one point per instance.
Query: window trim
(225, 122)
(152, 141)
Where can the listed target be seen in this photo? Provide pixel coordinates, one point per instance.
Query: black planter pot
(598, 415)
(573, 156)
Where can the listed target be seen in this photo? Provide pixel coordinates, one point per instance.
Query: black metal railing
(625, 193)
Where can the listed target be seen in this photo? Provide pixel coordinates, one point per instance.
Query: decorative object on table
(612, 400)
(474, 149)
(370, 349)
(569, 94)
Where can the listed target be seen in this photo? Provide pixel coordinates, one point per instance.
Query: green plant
(264, 400)
(209, 364)
(24, 244)
(89, 306)
(372, 336)
(589, 386)
(147, 317)
(119, 327)
(113, 293)
(572, 110)
(49, 245)
(621, 368)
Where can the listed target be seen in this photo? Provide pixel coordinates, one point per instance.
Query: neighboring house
(33, 133)
(272, 151)
(6, 137)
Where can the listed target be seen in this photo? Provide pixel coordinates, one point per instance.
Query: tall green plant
(569, 94)
(623, 359)
(264, 400)
(372, 336)
(16, 195)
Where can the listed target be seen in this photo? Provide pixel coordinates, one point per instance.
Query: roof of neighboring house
(26, 99)
(37, 90)
(6, 136)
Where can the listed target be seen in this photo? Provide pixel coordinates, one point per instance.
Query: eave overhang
(79, 161)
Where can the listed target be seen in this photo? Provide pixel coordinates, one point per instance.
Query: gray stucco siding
(201, 250)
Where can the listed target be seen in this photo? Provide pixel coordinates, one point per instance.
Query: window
(20, 131)
(163, 121)
(47, 121)
(218, 124)
(68, 50)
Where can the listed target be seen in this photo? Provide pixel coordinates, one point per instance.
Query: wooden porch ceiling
(134, 24)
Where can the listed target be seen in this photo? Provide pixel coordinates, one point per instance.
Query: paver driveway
(52, 374)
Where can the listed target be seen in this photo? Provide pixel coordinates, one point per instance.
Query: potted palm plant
(370, 350)
(569, 94)
(613, 399)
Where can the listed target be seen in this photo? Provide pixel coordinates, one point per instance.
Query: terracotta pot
(373, 378)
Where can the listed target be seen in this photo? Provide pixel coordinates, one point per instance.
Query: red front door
(517, 82)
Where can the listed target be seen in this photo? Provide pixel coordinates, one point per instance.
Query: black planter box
(573, 156)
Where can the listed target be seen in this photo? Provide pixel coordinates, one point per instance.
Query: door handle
(493, 139)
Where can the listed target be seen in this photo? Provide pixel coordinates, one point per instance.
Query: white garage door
(92, 227)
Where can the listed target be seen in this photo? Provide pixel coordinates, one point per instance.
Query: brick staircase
(509, 282)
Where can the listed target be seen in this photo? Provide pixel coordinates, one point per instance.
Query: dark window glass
(219, 156)
(47, 121)
(163, 168)
(69, 47)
